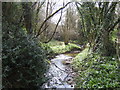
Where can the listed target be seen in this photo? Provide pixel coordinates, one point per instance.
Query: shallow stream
(60, 73)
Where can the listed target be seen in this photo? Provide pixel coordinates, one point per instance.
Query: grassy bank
(95, 71)
(59, 47)
(77, 61)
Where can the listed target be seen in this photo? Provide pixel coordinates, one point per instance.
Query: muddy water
(60, 75)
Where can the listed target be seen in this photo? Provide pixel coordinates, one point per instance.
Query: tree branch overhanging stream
(39, 31)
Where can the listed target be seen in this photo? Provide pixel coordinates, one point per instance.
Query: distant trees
(66, 28)
(69, 27)
(47, 27)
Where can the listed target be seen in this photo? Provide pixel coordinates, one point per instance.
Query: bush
(24, 62)
(49, 52)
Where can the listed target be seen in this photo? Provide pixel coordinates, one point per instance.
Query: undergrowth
(96, 71)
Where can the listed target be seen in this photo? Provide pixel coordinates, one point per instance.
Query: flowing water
(60, 74)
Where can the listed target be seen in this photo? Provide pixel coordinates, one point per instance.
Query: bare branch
(55, 28)
(49, 18)
(34, 4)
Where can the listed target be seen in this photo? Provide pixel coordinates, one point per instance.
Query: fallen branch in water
(59, 68)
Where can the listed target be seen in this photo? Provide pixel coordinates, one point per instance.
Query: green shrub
(23, 60)
(49, 52)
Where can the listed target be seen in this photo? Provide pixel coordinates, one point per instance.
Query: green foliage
(23, 60)
(53, 43)
(60, 47)
(114, 35)
(49, 52)
(97, 72)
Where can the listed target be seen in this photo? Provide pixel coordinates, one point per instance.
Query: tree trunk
(66, 37)
(107, 49)
(27, 17)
